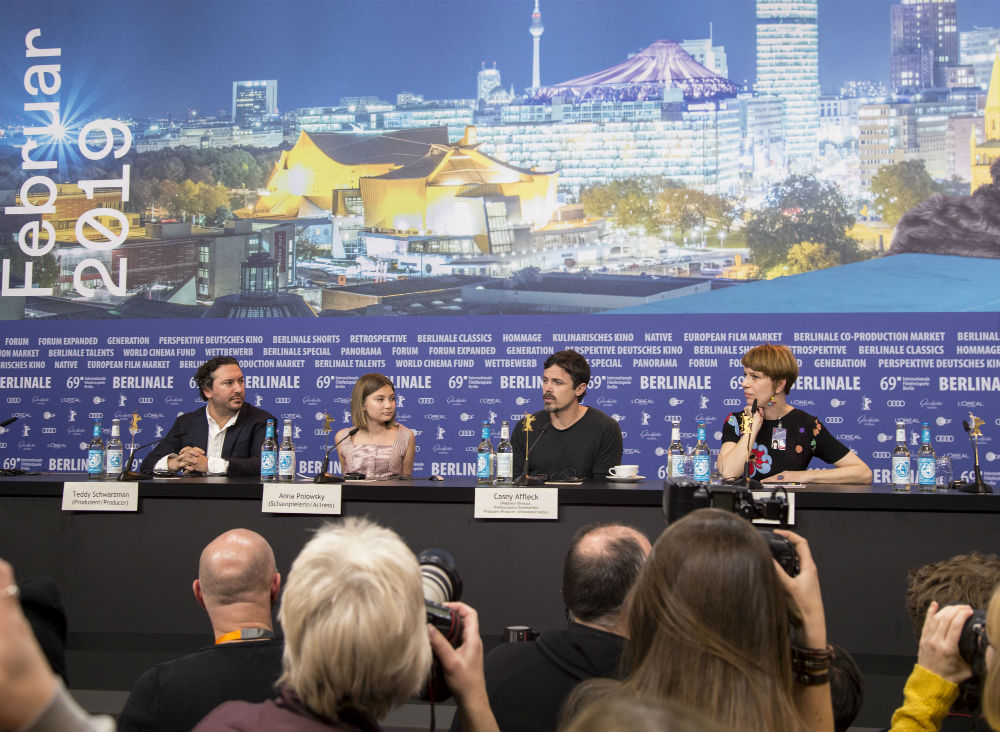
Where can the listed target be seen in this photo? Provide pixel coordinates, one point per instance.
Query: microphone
(526, 478)
(322, 476)
(10, 421)
(127, 473)
(753, 408)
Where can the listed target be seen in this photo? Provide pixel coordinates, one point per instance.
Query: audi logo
(145, 400)
(944, 438)
(895, 403)
(834, 420)
(881, 455)
(95, 415)
(466, 433)
(731, 402)
(425, 400)
(282, 400)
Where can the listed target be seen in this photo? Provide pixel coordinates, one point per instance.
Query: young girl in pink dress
(381, 448)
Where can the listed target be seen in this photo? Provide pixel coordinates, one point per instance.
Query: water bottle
(675, 453)
(269, 455)
(115, 454)
(901, 460)
(485, 458)
(95, 454)
(926, 467)
(505, 456)
(701, 458)
(286, 454)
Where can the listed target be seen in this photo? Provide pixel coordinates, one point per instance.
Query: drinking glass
(942, 471)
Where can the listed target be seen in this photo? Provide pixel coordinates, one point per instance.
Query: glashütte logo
(455, 400)
(648, 435)
(606, 402)
(174, 400)
(929, 404)
(39, 400)
(311, 401)
(439, 448)
(867, 421)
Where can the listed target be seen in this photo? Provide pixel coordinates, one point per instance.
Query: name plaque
(318, 498)
(516, 502)
(108, 495)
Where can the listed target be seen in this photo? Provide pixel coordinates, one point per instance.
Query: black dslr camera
(681, 497)
(442, 583)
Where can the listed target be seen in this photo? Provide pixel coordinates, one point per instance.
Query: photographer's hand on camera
(463, 670)
(805, 603)
(804, 598)
(939, 642)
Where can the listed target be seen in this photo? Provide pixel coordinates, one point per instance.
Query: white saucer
(633, 479)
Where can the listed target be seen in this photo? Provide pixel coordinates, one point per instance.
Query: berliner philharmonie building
(659, 113)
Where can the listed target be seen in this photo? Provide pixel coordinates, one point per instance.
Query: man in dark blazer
(223, 437)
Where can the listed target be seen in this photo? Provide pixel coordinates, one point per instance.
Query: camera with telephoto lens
(973, 642)
(442, 583)
(681, 497)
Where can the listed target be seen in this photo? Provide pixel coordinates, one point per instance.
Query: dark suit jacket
(241, 446)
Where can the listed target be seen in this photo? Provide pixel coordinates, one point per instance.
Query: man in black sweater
(528, 682)
(237, 586)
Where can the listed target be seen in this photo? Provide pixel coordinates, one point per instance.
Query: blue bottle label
(268, 462)
(926, 471)
(702, 471)
(95, 461)
(483, 465)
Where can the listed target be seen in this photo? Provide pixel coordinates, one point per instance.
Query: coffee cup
(624, 471)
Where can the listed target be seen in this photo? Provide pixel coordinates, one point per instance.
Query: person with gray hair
(356, 640)
(528, 682)
(237, 585)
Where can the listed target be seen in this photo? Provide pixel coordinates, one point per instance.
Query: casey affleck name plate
(517, 502)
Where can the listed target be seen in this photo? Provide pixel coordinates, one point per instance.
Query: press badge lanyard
(243, 634)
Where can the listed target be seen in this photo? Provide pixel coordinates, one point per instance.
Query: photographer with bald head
(237, 585)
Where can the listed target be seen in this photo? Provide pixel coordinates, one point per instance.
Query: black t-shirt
(175, 695)
(587, 449)
(805, 437)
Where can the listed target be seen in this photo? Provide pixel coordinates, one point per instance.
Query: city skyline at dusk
(320, 51)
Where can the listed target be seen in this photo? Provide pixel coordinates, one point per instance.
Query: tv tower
(536, 29)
